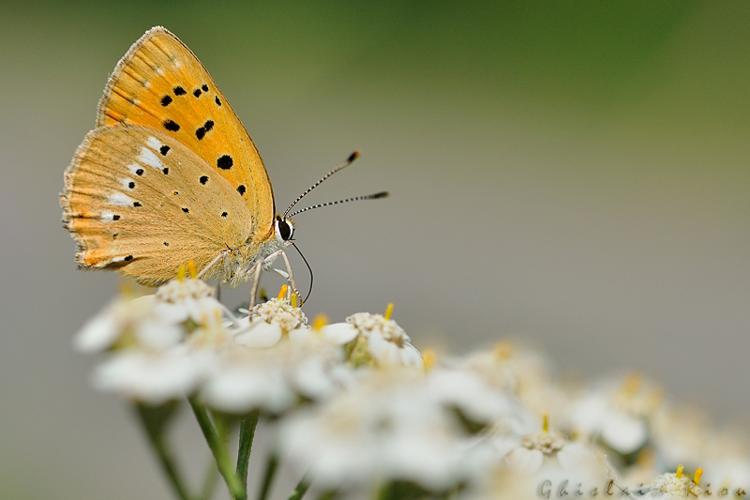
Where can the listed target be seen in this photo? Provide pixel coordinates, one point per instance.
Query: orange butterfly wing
(161, 84)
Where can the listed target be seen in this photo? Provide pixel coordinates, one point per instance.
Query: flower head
(271, 321)
(185, 299)
(384, 428)
(374, 340)
(674, 485)
(127, 321)
(153, 377)
(619, 413)
(275, 378)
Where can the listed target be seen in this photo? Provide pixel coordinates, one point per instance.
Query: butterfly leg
(256, 281)
(212, 263)
(290, 274)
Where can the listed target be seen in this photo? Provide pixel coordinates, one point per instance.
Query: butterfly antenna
(374, 196)
(309, 289)
(320, 181)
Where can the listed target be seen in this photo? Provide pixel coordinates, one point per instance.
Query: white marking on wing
(153, 142)
(149, 158)
(120, 199)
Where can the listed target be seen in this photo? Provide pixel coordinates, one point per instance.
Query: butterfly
(170, 175)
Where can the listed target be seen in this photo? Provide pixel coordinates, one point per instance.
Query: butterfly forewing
(138, 199)
(160, 84)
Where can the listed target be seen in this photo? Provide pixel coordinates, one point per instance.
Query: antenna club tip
(382, 194)
(353, 156)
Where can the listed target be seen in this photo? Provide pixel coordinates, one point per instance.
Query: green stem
(155, 434)
(247, 434)
(300, 489)
(272, 464)
(219, 449)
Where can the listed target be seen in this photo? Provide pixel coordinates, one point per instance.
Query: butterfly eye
(284, 229)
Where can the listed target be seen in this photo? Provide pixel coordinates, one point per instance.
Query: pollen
(680, 471)
(319, 322)
(388, 311)
(429, 359)
(283, 291)
(697, 475)
(192, 269)
(503, 350)
(181, 272)
(632, 384)
(545, 422)
(294, 300)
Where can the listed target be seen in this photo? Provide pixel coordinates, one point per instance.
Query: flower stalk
(247, 434)
(219, 449)
(301, 488)
(269, 473)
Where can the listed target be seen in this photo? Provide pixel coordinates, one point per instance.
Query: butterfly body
(169, 175)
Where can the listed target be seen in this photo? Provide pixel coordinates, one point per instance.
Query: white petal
(300, 334)
(410, 356)
(158, 336)
(98, 334)
(339, 333)
(260, 335)
(384, 352)
(151, 378)
(590, 413)
(312, 380)
(203, 309)
(624, 433)
(172, 313)
(242, 389)
(526, 461)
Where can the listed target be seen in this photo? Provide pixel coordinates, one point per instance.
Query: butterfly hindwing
(161, 84)
(139, 200)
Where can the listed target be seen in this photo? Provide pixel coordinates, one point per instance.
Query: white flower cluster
(362, 412)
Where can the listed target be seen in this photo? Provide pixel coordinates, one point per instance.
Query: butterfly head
(284, 229)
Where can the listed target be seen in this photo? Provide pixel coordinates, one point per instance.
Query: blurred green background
(574, 174)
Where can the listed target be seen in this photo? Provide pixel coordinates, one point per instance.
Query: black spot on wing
(186, 210)
(241, 189)
(217, 101)
(166, 243)
(128, 258)
(131, 184)
(179, 90)
(203, 179)
(224, 162)
(164, 150)
(166, 100)
(201, 131)
(137, 204)
(115, 217)
(139, 171)
(171, 125)
(224, 214)
(165, 170)
(197, 92)
(204, 87)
